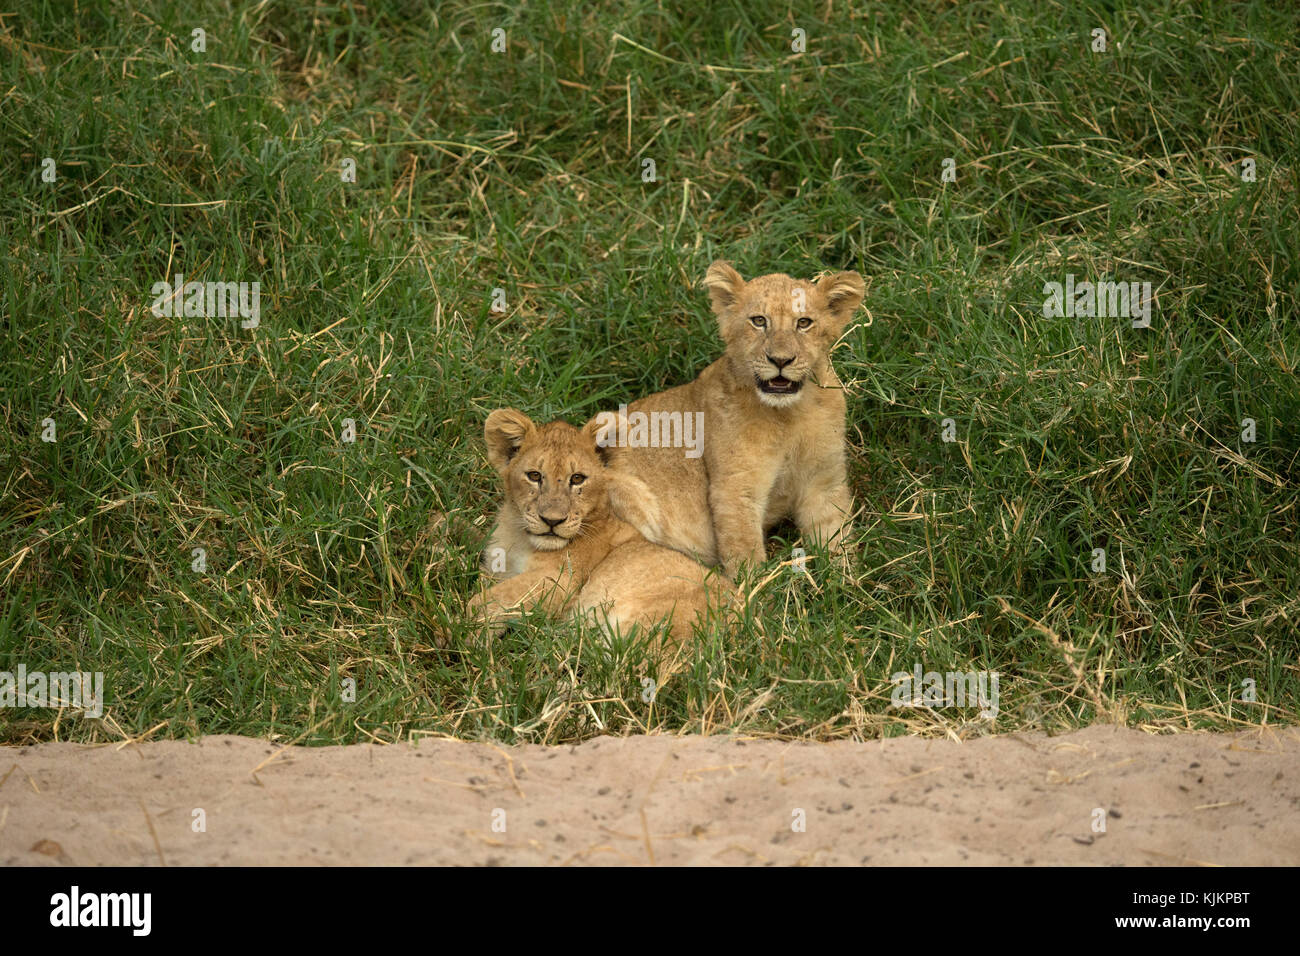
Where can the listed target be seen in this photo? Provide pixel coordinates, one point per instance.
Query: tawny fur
(590, 564)
(766, 456)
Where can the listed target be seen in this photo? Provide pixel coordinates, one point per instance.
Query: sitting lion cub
(557, 544)
(771, 414)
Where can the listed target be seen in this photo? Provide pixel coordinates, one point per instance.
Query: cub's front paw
(842, 557)
(744, 567)
(483, 616)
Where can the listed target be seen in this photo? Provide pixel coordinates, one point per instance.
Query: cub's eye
(758, 321)
(534, 476)
(803, 324)
(577, 479)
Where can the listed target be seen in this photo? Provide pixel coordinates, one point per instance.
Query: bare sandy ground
(1017, 799)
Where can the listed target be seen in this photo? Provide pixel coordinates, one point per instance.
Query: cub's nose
(552, 523)
(780, 363)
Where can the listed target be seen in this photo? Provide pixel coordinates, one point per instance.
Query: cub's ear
(603, 431)
(505, 430)
(724, 284)
(843, 292)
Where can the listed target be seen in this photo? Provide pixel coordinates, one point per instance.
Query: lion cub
(773, 424)
(558, 544)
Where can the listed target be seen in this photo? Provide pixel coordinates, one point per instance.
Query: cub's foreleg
(507, 600)
(738, 501)
(822, 511)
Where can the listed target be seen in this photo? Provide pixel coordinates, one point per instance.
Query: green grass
(522, 171)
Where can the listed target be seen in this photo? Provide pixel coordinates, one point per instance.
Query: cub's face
(778, 330)
(552, 474)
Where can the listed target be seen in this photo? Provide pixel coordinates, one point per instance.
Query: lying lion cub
(557, 544)
(772, 424)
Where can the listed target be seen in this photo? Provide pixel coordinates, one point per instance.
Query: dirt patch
(1016, 799)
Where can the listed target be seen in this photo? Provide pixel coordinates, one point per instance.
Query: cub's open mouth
(780, 385)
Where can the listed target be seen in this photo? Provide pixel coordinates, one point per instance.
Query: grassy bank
(524, 171)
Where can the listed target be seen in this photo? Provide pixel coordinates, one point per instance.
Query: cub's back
(641, 582)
